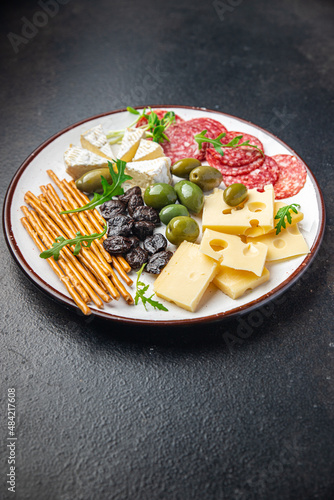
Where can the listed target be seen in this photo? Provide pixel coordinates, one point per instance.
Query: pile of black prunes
(131, 222)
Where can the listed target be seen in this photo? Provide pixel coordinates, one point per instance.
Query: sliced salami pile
(160, 114)
(235, 157)
(182, 143)
(267, 173)
(292, 176)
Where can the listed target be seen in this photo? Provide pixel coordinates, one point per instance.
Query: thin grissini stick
(66, 265)
(66, 233)
(64, 279)
(84, 277)
(52, 201)
(94, 247)
(121, 288)
(127, 268)
(121, 271)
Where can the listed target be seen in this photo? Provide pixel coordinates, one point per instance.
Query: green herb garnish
(154, 128)
(109, 191)
(141, 288)
(80, 241)
(218, 146)
(283, 213)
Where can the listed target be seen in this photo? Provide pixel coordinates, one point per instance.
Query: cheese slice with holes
(231, 251)
(95, 140)
(258, 230)
(258, 210)
(288, 243)
(145, 173)
(130, 143)
(186, 276)
(235, 283)
(78, 161)
(148, 150)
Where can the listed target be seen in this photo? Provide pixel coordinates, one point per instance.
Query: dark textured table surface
(106, 411)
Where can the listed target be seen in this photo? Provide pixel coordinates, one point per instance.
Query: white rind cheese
(145, 173)
(148, 150)
(78, 161)
(130, 143)
(95, 140)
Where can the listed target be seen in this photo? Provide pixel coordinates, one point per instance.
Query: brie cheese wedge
(130, 143)
(79, 161)
(95, 140)
(145, 173)
(148, 150)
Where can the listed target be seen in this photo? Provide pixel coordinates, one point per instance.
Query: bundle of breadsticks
(91, 276)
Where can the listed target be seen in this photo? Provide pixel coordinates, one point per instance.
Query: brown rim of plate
(60, 297)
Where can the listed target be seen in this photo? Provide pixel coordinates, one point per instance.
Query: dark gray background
(114, 412)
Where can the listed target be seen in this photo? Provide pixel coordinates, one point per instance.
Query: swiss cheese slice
(186, 276)
(145, 173)
(79, 161)
(258, 230)
(148, 150)
(95, 140)
(130, 143)
(235, 283)
(258, 210)
(231, 251)
(288, 243)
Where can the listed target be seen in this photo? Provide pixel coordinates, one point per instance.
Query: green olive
(90, 182)
(190, 195)
(168, 212)
(206, 177)
(182, 228)
(182, 168)
(159, 195)
(235, 194)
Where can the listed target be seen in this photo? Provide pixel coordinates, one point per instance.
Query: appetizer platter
(164, 215)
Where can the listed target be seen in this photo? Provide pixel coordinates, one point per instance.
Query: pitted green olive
(168, 212)
(182, 228)
(235, 194)
(190, 195)
(182, 168)
(159, 195)
(206, 177)
(90, 182)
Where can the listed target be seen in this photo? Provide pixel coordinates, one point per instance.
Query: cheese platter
(94, 142)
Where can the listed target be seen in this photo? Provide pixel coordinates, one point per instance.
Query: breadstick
(64, 279)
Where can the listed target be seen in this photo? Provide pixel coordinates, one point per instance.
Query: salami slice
(235, 157)
(182, 143)
(160, 114)
(267, 174)
(214, 159)
(292, 176)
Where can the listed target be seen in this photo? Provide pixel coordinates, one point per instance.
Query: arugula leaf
(283, 213)
(132, 110)
(141, 289)
(79, 242)
(218, 146)
(109, 191)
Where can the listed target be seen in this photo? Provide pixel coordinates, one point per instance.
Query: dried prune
(158, 261)
(134, 202)
(124, 198)
(136, 257)
(121, 225)
(119, 244)
(112, 208)
(142, 229)
(155, 243)
(148, 214)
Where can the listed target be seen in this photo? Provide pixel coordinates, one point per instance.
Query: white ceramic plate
(214, 305)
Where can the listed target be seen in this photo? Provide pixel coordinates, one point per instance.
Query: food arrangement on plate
(174, 210)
